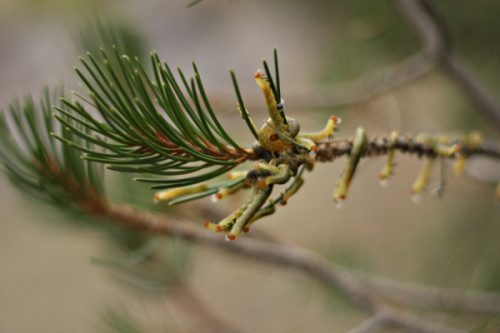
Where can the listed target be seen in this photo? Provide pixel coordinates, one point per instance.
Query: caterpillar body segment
(326, 133)
(422, 180)
(388, 169)
(169, 195)
(284, 153)
(358, 147)
(277, 114)
(256, 201)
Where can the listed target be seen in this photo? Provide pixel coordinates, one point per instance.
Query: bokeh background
(51, 278)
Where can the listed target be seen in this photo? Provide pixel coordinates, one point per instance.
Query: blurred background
(59, 273)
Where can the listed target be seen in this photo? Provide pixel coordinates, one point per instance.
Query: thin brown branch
(364, 88)
(304, 261)
(380, 146)
(429, 28)
(430, 297)
(378, 82)
(417, 295)
(372, 325)
(435, 48)
(388, 317)
(477, 91)
(438, 45)
(403, 293)
(437, 52)
(422, 296)
(415, 324)
(291, 257)
(202, 319)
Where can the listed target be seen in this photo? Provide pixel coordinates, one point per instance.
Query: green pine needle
(149, 123)
(243, 109)
(36, 163)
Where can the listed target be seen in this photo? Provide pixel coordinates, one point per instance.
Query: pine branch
(202, 317)
(71, 173)
(380, 146)
(40, 166)
(437, 53)
(120, 322)
(151, 125)
(430, 297)
(99, 33)
(306, 262)
(372, 325)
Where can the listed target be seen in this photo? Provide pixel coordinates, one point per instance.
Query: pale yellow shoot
(227, 191)
(459, 165)
(279, 122)
(388, 169)
(327, 132)
(472, 141)
(278, 174)
(237, 174)
(168, 195)
(227, 224)
(447, 151)
(309, 144)
(289, 192)
(256, 201)
(423, 177)
(358, 147)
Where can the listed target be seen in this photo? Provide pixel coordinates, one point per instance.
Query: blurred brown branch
(439, 48)
(412, 323)
(465, 77)
(370, 325)
(437, 53)
(363, 294)
(435, 49)
(381, 297)
(389, 318)
(203, 319)
(439, 298)
(364, 88)
(406, 144)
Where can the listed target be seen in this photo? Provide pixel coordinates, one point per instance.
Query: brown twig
(412, 323)
(372, 325)
(462, 74)
(202, 319)
(331, 275)
(438, 46)
(383, 80)
(437, 52)
(364, 88)
(429, 28)
(429, 297)
(387, 317)
(435, 48)
(380, 146)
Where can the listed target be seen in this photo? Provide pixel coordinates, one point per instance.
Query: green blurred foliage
(371, 34)
(116, 321)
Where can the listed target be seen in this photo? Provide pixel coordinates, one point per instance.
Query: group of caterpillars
(287, 152)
